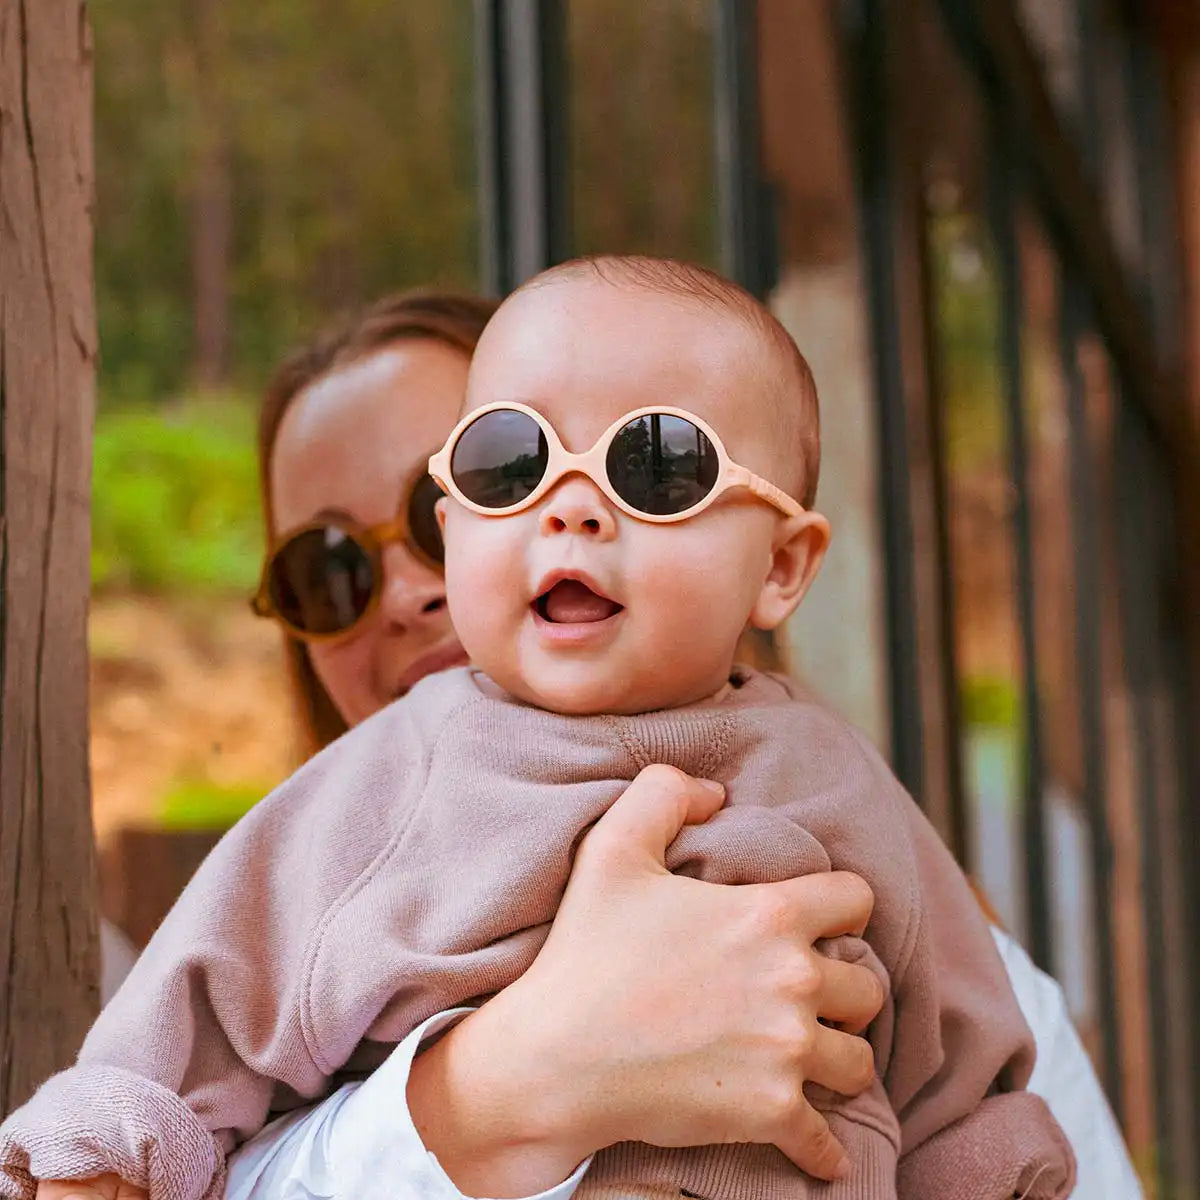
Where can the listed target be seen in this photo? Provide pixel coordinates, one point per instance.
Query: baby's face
(571, 604)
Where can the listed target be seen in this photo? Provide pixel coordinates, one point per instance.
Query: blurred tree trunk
(48, 943)
(212, 203)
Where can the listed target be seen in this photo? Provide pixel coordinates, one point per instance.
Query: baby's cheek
(483, 591)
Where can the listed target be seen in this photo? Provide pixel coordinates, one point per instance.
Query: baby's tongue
(571, 602)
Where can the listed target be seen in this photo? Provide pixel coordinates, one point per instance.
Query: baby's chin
(576, 696)
(593, 689)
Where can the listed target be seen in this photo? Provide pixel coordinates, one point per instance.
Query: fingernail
(712, 785)
(842, 1169)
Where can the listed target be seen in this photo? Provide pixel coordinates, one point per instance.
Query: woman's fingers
(851, 995)
(810, 1144)
(829, 904)
(647, 817)
(841, 1062)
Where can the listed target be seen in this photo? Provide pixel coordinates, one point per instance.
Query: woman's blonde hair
(456, 320)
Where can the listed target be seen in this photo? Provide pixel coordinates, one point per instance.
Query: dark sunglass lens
(661, 464)
(322, 580)
(422, 518)
(500, 458)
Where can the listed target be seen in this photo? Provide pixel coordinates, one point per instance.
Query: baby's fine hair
(794, 407)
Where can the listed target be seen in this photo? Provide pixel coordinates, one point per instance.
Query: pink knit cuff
(749, 1172)
(1010, 1146)
(92, 1120)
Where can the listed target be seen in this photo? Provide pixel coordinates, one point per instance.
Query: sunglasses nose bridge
(582, 509)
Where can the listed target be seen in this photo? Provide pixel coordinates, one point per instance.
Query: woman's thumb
(647, 817)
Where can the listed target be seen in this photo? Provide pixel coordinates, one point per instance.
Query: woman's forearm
(479, 1105)
(362, 1143)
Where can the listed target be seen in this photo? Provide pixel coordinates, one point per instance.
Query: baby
(630, 487)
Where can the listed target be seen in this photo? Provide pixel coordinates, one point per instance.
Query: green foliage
(990, 701)
(334, 148)
(198, 804)
(344, 141)
(967, 330)
(175, 498)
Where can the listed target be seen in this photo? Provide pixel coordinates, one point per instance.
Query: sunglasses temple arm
(759, 487)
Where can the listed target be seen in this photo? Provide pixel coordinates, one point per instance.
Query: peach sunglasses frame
(561, 462)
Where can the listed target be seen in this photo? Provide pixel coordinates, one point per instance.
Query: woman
(578, 1053)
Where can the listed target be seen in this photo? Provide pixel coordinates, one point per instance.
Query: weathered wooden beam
(48, 942)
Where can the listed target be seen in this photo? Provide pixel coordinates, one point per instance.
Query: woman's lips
(440, 659)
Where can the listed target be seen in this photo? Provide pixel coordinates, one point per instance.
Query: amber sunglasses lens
(422, 519)
(322, 580)
(499, 458)
(661, 465)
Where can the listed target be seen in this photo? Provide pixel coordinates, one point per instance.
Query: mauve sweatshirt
(416, 864)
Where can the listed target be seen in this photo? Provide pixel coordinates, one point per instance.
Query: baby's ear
(439, 511)
(796, 553)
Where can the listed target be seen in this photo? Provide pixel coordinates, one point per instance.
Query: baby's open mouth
(572, 602)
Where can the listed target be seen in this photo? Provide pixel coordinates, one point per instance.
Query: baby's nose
(577, 506)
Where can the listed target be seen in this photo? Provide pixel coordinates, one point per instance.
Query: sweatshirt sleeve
(960, 1051)
(212, 1027)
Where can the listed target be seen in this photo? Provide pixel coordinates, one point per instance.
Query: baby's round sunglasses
(657, 464)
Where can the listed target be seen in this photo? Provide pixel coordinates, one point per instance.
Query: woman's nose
(413, 594)
(578, 506)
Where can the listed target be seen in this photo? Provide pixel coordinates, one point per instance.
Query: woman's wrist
(498, 1126)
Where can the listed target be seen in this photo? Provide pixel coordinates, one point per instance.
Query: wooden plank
(48, 944)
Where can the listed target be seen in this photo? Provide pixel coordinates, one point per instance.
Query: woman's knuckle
(803, 1039)
(805, 977)
(772, 912)
(793, 1036)
(779, 1104)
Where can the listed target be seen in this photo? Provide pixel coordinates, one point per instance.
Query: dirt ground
(182, 692)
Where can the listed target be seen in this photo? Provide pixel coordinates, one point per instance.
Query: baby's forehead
(586, 328)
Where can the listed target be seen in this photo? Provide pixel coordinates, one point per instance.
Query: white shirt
(361, 1143)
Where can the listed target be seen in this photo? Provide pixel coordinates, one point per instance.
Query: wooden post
(48, 943)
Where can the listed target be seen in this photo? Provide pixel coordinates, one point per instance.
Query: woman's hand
(661, 1009)
(102, 1187)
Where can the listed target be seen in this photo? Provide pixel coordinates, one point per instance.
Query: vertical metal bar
(1133, 520)
(1086, 543)
(490, 106)
(1149, 115)
(1033, 817)
(521, 60)
(743, 219)
(865, 24)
